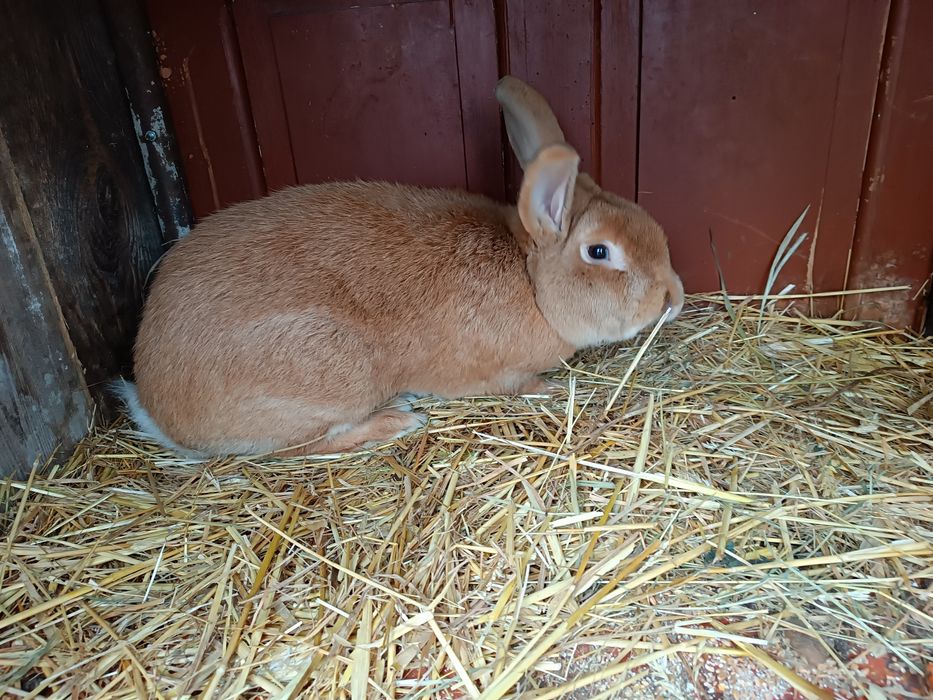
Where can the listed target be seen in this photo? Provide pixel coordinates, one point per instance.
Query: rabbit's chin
(598, 341)
(627, 334)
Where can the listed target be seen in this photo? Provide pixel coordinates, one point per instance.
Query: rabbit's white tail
(144, 423)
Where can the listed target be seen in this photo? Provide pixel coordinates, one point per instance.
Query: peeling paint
(157, 157)
(875, 180)
(891, 308)
(157, 124)
(138, 128)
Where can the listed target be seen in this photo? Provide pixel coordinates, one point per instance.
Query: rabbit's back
(361, 254)
(331, 291)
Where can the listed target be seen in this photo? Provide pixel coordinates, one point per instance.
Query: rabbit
(304, 322)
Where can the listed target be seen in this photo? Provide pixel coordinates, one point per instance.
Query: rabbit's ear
(547, 193)
(529, 121)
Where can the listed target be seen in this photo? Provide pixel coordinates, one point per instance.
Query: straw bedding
(741, 508)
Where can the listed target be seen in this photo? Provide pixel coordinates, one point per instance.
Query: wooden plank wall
(77, 222)
(80, 231)
(721, 118)
(731, 117)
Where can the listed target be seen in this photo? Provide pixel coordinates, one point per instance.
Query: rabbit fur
(303, 322)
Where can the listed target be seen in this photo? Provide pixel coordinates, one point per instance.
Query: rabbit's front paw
(537, 386)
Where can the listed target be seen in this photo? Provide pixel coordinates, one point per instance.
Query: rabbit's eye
(598, 252)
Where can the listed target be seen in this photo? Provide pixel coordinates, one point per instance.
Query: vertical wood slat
(44, 402)
(475, 27)
(352, 83)
(202, 75)
(262, 74)
(894, 234)
(848, 148)
(583, 56)
(551, 46)
(619, 53)
(138, 70)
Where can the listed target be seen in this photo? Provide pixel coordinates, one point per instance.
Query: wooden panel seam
(847, 151)
(477, 70)
(596, 87)
(270, 116)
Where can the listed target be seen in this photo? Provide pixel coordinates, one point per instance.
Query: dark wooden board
(79, 167)
(44, 403)
(136, 61)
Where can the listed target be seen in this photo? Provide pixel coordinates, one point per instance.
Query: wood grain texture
(75, 155)
(474, 25)
(44, 403)
(136, 62)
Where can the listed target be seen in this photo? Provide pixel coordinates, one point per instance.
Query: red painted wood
(619, 44)
(372, 90)
(266, 91)
(552, 46)
(583, 56)
(475, 33)
(894, 237)
(201, 71)
(750, 111)
(729, 116)
(855, 97)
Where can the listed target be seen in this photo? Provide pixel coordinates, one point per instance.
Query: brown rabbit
(299, 322)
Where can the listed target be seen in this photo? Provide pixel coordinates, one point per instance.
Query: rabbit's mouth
(673, 300)
(671, 307)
